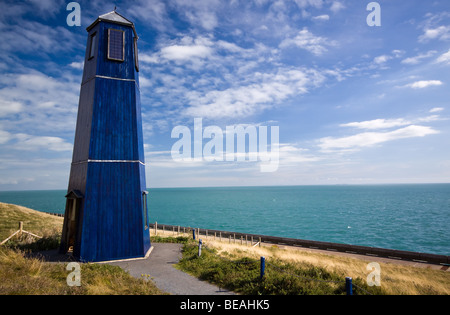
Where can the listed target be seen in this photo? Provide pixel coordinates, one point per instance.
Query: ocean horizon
(412, 217)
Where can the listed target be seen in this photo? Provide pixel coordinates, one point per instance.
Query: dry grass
(36, 222)
(396, 278)
(23, 275)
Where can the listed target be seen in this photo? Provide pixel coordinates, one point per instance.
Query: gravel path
(159, 265)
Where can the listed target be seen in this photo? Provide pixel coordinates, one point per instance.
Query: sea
(412, 217)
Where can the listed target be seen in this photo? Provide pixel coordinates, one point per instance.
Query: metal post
(263, 266)
(193, 233)
(348, 286)
(199, 247)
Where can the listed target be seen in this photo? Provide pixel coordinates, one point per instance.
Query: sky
(354, 103)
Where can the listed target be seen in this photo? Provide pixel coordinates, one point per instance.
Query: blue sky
(354, 104)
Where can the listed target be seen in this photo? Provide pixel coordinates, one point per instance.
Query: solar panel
(115, 45)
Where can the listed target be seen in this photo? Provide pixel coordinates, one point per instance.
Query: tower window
(93, 42)
(136, 61)
(116, 45)
(145, 208)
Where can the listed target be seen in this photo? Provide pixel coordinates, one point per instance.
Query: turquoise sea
(413, 217)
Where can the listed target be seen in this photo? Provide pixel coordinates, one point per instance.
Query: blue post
(199, 247)
(263, 266)
(348, 286)
(193, 233)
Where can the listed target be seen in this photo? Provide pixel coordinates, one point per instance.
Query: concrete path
(159, 265)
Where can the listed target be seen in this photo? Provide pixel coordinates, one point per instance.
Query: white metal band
(111, 78)
(108, 161)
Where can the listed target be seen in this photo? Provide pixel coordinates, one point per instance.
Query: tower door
(71, 222)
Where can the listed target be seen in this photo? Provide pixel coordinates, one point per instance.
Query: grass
(396, 278)
(22, 275)
(36, 222)
(241, 273)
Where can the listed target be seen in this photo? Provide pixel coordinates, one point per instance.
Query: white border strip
(108, 161)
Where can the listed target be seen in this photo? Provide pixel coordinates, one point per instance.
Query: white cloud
(4, 136)
(308, 41)
(35, 143)
(382, 59)
(200, 13)
(77, 65)
(37, 38)
(417, 59)
(424, 84)
(444, 58)
(151, 12)
(9, 107)
(437, 109)
(430, 118)
(290, 153)
(267, 91)
(337, 6)
(302, 4)
(390, 123)
(177, 52)
(368, 139)
(34, 96)
(146, 58)
(47, 8)
(398, 53)
(324, 17)
(440, 33)
(378, 124)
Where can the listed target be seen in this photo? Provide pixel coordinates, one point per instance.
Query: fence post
(156, 228)
(193, 233)
(348, 286)
(199, 247)
(263, 266)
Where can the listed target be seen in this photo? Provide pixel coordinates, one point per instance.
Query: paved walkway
(159, 265)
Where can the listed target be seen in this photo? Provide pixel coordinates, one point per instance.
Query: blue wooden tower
(106, 215)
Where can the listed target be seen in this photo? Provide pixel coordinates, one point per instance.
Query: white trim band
(108, 161)
(111, 78)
